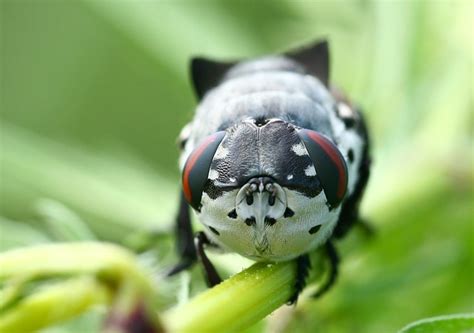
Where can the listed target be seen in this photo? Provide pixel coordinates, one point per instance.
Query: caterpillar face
(266, 188)
(275, 160)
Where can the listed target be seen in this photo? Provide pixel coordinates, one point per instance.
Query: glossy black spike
(206, 74)
(315, 59)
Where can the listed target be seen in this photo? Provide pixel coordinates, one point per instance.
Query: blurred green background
(94, 93)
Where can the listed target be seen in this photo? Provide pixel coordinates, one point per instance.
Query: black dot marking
(350, 155)
(249, 199)
(250, 221)
(271, 200)
(182, 143)
(314, 229)
(270, 220)
(288, 212)
(349, 122)
(214, 230)
(232, 214)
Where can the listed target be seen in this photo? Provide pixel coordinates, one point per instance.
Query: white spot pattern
(299, 149)
(310, 171)
(221, 153)
(344, 110)
(213, 174)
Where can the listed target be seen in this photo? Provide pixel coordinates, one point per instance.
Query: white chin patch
(308, 226)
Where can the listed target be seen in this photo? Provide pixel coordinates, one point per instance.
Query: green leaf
(56, 302)
(456, 323)
(15, 234)
(39, 293)
(65, 224)
(114, 195)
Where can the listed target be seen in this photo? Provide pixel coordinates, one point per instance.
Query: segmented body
(260, 104)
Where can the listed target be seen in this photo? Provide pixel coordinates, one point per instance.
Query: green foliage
(46, 284)
(447, 324)
(94, 93)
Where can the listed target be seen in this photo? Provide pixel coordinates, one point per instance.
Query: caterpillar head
(265, 188)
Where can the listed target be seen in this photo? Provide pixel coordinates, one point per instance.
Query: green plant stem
(96, 271)
(53, 304)
(237, 302)
(103, 259)
(242, 300)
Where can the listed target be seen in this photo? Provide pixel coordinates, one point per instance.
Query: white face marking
(299, 149)
(289, 177)
(213, 174)
(310, 171)
(221, 153)
(288, 238)
(344, 110)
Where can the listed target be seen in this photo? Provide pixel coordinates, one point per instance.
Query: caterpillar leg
(184, 239)
(333, 258)
(210, 273)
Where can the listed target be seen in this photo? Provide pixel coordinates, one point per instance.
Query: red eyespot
(197, 167)
(330, 165)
